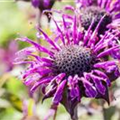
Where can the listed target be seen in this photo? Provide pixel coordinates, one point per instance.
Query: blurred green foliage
(13, 23)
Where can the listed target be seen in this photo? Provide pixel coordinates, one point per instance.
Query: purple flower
(94, 10)
(7, 56)
(75, 65)
(42, 4)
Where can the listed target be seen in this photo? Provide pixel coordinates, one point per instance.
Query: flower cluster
(76, 64)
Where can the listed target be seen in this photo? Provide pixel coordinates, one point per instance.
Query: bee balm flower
(75, 65)
(95, 9)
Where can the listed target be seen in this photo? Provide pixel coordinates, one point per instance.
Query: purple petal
(41, 81)
(92, 38)
(37, 69)
(98, 83)
(69, 7)
(103, 3)
(103, 75)
(87, 33)
(90, 90)
(22, 55)
(102, 39)
(75, 93)
(60, 77)
(74, 30)
(104, 64)
(49, 93)
(115, 6)
(117, 16)
(65, 30)
(49, 40)
(108, 4)
(73, 87)
(58, 95)
(108, 51)
(70, 81)
(31, 79)
(38, 46)
(60, 31)
(106, 95)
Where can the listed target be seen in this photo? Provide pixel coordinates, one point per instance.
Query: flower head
(76, 65)
(95, 9)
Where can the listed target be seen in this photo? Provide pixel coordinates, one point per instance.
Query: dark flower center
(93, 12)
(73, 59)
